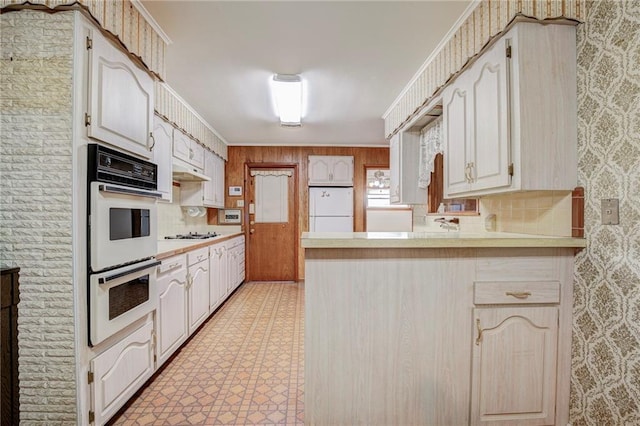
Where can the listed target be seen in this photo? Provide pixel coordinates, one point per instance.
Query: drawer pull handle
(479, 338)
(519, 294)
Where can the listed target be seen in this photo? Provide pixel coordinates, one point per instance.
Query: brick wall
(36, 71)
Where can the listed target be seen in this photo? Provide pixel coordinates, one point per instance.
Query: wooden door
(514, 366)
(272, 240)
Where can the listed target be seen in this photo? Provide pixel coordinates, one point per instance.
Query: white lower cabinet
(172, 306)
(117, 373)
(514, 366)
(198, 287)
(218, 268)
(236, 263)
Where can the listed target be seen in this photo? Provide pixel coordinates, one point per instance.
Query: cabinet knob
(251, 231)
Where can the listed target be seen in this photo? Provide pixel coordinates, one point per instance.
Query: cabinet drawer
(172, 264)
(518, 292)
(196, 256)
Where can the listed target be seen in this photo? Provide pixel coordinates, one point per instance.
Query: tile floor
(244, 367)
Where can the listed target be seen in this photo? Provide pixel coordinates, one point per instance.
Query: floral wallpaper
(605, 377)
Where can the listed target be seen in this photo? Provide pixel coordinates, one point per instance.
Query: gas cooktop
(192, 236)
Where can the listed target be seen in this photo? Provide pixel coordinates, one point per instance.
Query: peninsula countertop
(168, 248)
(438, 239)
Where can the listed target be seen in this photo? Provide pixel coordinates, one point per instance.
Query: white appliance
(330, 209)
(122, 240)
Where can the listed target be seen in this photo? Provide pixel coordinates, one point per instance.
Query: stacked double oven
(122, 240)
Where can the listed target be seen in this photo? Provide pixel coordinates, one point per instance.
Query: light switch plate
(610, 211)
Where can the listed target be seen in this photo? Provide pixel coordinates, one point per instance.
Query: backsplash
(535, 212)
(174, 219)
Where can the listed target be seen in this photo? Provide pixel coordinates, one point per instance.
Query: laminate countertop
(168, 248)
(452, 239)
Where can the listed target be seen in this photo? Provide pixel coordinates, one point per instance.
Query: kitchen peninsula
(438, 328)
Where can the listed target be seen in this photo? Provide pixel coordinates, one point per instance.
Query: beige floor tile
(244, 366)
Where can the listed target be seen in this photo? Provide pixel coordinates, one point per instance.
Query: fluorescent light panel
(287, 91)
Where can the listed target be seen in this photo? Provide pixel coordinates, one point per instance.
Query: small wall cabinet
(510, 119)
(121, 98)
(188, 150)
(330, 170)
(404, 159)
(162, 156)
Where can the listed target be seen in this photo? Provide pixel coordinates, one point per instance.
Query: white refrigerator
(330, 209)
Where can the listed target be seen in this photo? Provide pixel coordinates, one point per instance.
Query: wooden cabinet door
(198, 294)
(197, 155)
(319, 169)
(119, 372)
(341, 172)
(514, 366)
(120, 99)
(456, 129)
(489, 145)
(162, 156)
(218, 275)
(218, 182)
(208, 188)
(394, 169)
(172, 307)
(181, 146)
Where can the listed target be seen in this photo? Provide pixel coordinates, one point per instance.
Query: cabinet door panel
(120, 99)
(490, 142)
(198, 295)
(120, 371)
(514, 366)
(342, 171)
(172, 314)
(208, 198)
(162, 156)
(457, 138)
(319, 169)
(394, 166)
(181, 146)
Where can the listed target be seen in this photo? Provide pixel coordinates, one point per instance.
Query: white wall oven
(122, 240)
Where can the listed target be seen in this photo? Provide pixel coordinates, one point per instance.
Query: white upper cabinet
(330, 170)
(404, 161)
(162, 156)
(120, 105)
(214, 189)
(188, 150)
(510, 119)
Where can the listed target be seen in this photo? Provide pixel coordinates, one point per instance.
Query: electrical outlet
(610, 211)
(240, 203)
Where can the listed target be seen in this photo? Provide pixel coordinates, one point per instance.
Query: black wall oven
(122, 240)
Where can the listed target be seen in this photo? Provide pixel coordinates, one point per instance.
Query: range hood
(184, 174)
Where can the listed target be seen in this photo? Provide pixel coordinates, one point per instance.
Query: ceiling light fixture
(287, 92)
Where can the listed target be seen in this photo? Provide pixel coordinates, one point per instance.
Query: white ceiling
(355, 57)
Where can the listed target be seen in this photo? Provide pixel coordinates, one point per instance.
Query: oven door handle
(103, 280)
(127, 191)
